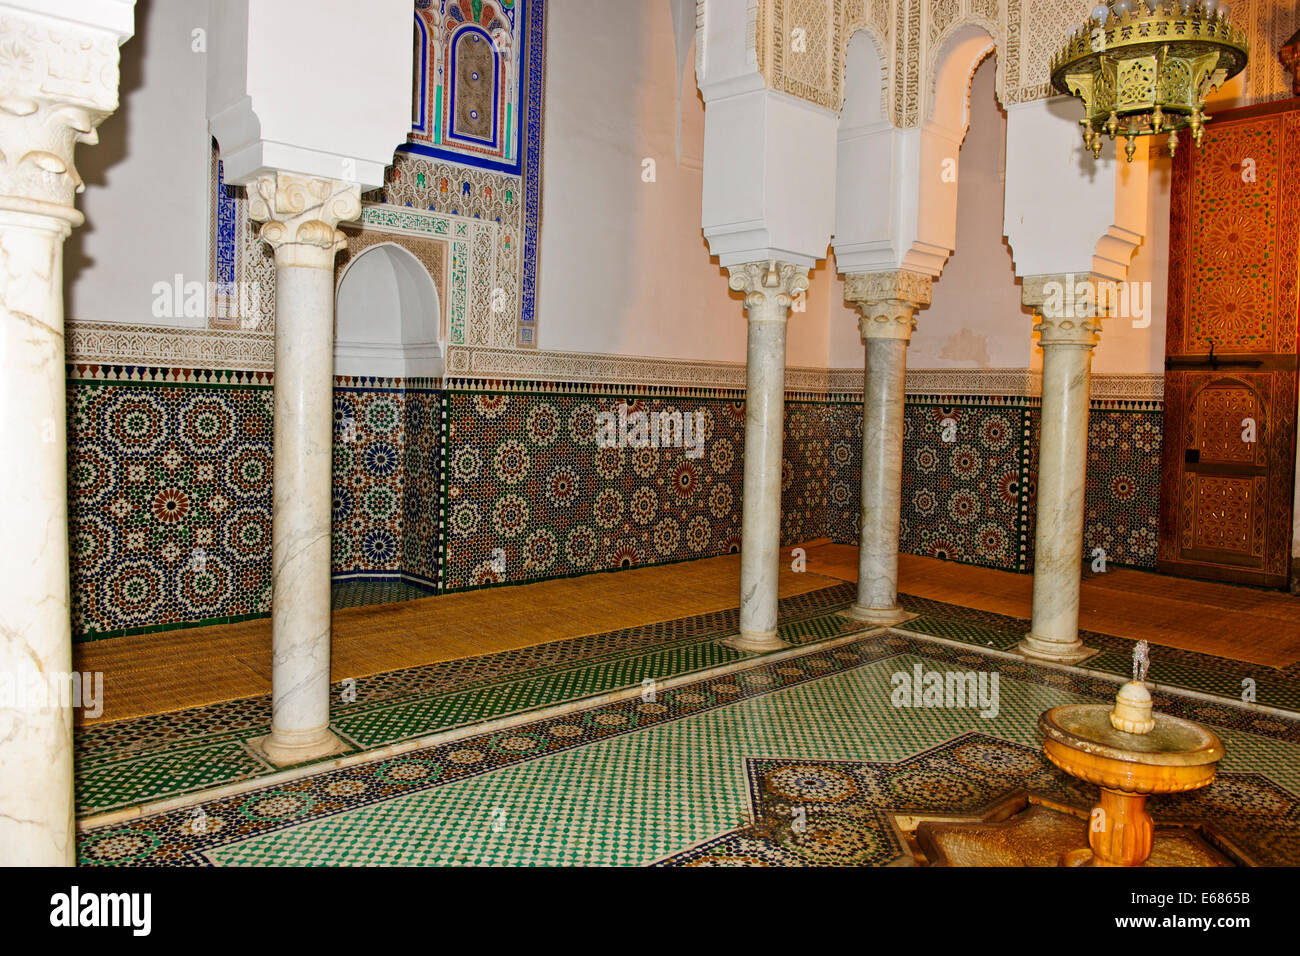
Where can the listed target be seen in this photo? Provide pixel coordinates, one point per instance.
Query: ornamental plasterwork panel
(1027, 33)
(543, 366)
(1270, 23)
(473, 277)
(495, 201)
(108, 344)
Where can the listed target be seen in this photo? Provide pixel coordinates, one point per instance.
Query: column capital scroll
(768, 283)
(58, 82)
(887, 301)
(300, 216)
(1068, 308)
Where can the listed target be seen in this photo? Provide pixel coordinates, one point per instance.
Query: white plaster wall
(975, 318)
(1124, 348)
(624, 265)
(146, 198)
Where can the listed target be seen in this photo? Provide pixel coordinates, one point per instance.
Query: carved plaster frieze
(58, 82)
(300, 216)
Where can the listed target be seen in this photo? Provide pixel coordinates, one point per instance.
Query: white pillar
(1068, 332)
(59, 83)
(887, 302)
(300, 215)
(769, 289)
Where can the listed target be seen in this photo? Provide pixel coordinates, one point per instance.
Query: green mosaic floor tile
(366, 593)
(704, 774)
(131, 761)
(139, 779)
(958, 630)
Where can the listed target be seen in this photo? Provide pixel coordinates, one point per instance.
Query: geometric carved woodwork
(1231, 350)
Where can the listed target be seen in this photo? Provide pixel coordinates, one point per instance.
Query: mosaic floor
(715, 772)
(150, 758)
(1188, 670)
(365, 593)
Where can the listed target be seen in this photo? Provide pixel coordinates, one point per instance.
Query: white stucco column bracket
(1066, 211)
(281, 99)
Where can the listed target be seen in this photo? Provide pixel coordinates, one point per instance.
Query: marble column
(1068, 332)
(59, 85)
(769, 289)
(300, 215)
(887, 302)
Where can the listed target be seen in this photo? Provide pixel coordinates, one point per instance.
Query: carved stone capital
(887, 301)
(1067, 308)
(769, 287)
(300, 216)
(58, 81)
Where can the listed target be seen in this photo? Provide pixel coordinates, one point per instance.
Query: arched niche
(938, 149)
(387, 317)
(865, 90)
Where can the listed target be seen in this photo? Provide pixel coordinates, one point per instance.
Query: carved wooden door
(1228, 470)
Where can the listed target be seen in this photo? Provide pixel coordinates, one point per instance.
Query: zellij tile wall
(169, 482)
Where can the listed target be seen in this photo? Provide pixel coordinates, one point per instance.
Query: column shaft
(301, 519)
(769, 290)
(1062, 468)
(1068, 329)
(58, 85)
(882, 479)
(760, 554)
(36, 782)
(887, 302)
(299, 215)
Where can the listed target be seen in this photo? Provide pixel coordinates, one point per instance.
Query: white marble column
(1068, 332)
(59, 83)
(887, 302)
(300, 215)
(769, 289)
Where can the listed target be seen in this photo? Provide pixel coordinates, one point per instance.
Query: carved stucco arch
(960, 50)
(881, 48)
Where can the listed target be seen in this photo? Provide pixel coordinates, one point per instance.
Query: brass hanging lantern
(1144, 67)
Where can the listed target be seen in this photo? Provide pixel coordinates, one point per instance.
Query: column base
(1058, 652)
(755, 641)
(878, 615)
(285, 748)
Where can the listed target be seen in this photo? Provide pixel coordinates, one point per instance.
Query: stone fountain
(1129, 752)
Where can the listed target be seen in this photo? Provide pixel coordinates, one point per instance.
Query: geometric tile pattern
(1122, 507)
(678, 778)
(530, 494)
(836, 813)
(970, 488)
(369, 438)
(169, 497)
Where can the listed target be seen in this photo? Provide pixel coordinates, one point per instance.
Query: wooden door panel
(1231, 350)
